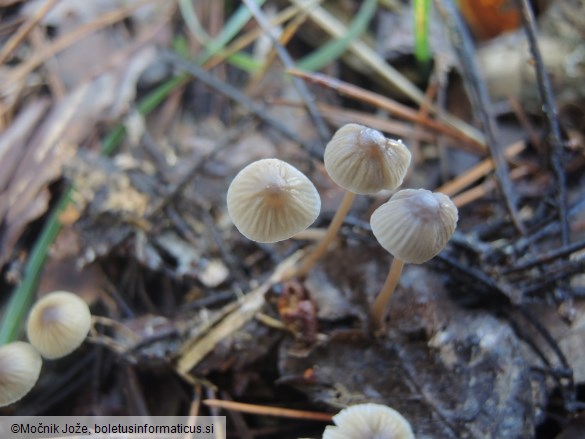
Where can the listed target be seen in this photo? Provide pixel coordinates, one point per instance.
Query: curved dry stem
(380, 304)
(311, 259)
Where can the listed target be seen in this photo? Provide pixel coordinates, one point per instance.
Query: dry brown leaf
(69, 123)
(14, 139)
(453, 373)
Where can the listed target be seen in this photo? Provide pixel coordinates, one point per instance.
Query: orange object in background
(489, 18)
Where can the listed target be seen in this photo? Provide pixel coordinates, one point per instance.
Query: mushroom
(362, 161)
(369, 421)
(414, 226)
(58, 323)
(270, 200)
(20, 366)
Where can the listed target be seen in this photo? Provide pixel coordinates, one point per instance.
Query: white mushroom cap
(20, 366)
(415, 224)
(369, 421)
(58, 323)
(270, 200)
(363, 161)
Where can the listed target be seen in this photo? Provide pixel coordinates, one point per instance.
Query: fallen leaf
(451, 372)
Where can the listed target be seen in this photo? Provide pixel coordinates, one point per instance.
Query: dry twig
(393, 107)
(237, 96)
(289, 63)
(480, 99)
(550, 109)
(268, 411)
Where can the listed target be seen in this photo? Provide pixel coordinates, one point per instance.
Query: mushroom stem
(311, 259)
(381, 302)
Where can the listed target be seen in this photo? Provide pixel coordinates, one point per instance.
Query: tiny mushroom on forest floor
(362, 161)
(414, 226)
(20, 366)
(369, 421)
(58, 323)
(270, 200)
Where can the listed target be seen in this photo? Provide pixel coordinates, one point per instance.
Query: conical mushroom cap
(270, 200)
(415, 224)
(363, 161)
(20, 366)
(369, 421)
(58, 323)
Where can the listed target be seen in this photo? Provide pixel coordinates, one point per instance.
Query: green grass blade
(336, 48)
(235, 23)
(422, 50)
(190, 18)
(244, 62)
(22, 297)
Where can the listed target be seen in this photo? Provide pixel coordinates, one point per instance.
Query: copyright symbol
(14, 428)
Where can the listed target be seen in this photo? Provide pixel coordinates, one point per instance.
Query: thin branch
(558, 273)
(478, 93)
(550, 109)
(37, 58)
(568, 391)
(387, 104)
(547, 257)
(288, 62)
(237, 96)
(557, 375)
(483, 283)
(268, 410)
(25, 29)
(546, 230)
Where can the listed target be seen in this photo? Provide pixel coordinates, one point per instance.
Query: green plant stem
(335, 48)
(235, 23)
(421, 31)
(381, 302)
(22, 297)
(311, 259)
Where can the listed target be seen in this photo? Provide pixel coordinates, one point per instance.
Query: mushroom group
(57, 324)
(270, 200)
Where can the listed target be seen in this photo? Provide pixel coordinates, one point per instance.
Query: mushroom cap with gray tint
(369, 421)
(20, 366)
(363, 161)
(58, 323)
(270, 200)
(415, 224)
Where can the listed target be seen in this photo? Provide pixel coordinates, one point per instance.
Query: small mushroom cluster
(270, 201)
(57, 325)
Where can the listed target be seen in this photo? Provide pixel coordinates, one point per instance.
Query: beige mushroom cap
(369, 421)
(270, 200)
(58, 323)
(20, 366)
(363, 161)
(415, 224)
